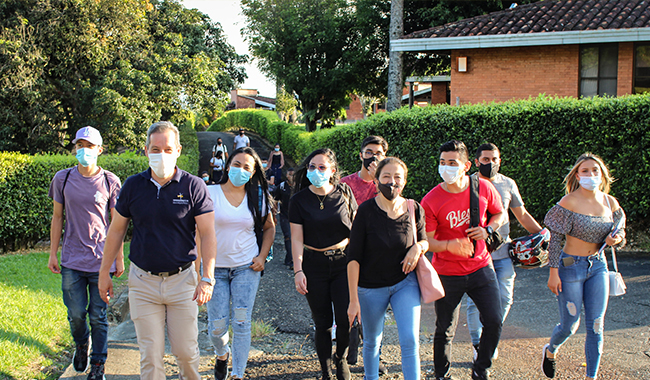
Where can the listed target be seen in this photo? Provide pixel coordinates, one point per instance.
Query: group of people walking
(354, 246)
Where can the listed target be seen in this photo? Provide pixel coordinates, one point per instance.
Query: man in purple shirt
(88, 194)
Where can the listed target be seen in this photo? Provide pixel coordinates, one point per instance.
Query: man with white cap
(88, 195)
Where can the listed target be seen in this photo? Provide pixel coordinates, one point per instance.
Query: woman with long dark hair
(585, 217)
(245, 233)
(321, 213)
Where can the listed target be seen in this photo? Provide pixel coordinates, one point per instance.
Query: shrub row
(25, 181)
(539, 139)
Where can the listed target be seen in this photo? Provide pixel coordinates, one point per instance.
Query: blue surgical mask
(590, 183)
(206, 179)
(318, 178)
(264, 165)
(277, 149)
(238, 176)
(86, 157)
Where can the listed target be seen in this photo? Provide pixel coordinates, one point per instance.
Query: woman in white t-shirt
(241, 221)
(216, 164)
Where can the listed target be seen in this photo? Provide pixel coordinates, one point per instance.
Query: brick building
(558, 48)
(247, 98)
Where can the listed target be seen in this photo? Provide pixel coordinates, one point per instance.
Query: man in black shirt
(282, 194)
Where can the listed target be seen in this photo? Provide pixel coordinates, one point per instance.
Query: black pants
(327, 284)
(482, 287)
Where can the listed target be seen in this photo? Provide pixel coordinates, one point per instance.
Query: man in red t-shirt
(373, 150)
(464, 267)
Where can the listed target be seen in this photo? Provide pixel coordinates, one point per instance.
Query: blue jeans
(233, 298)
(584, 282)
(506, 276)
(483, 288)
(404, 298)
(81, 297)
(286, 231)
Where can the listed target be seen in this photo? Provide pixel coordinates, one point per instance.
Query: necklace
(321, 200)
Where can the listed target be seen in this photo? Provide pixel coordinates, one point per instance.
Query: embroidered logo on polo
(180, 200)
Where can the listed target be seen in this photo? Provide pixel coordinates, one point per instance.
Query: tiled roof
(549, 16)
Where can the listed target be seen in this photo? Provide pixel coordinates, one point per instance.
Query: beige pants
(155, 300)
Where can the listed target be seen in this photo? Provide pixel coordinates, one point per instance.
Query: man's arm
(112, 249)
(459, 247)
(55, 237)
(205, 228)
(119, 262)
(526, 220)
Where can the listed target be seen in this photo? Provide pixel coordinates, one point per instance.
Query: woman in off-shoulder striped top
(585, 217)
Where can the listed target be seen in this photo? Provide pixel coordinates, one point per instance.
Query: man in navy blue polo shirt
(167, 205)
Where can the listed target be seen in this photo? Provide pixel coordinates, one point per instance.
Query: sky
(228, 14)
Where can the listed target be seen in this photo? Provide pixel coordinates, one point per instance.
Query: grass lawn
(35, 341)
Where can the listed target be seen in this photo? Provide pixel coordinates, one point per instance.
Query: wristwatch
(489, 230)
(209, 280)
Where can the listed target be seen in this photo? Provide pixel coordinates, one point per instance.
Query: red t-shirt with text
(448, 215)
(362, 189)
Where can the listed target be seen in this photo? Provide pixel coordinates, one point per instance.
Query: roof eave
(521, 39)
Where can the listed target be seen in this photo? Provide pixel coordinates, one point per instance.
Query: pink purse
(430, 286)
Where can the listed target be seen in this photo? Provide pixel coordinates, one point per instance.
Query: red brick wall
(625, 68)
(501, 74)
(242, 102)
(355, 112)
(438, 92)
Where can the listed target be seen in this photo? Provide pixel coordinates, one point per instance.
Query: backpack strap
(65, 181)
(474, 211)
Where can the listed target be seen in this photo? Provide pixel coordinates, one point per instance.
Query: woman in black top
(382, 257)
(321, 213)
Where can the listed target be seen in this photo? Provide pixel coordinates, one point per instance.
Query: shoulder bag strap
(474, 211)
(411, 209)
(614, 259)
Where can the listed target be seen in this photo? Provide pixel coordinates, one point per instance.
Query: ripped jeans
(233, 298)
(584, 282)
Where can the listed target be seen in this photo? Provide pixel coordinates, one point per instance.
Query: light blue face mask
(86, 157)
(318, 178)
(238, 176)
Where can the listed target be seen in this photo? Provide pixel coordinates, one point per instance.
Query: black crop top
(326, 227)
(379, 243)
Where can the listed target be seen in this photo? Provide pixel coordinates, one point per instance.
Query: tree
(312, 48)
(116, 65)
(395, 79)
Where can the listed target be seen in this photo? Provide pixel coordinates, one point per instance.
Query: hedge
(539, 139)
(25, 180)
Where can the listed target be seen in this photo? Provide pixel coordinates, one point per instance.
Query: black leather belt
(175, 271)
(329, 252)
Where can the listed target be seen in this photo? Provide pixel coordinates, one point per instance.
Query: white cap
(89, 134)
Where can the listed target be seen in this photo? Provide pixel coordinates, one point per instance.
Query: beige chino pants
(154, 301)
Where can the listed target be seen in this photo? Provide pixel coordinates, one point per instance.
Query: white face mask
(450, 174)
(590, 183)
(163, 164)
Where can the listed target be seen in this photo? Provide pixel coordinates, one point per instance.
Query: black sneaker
(221, 368)
(96, 371)
(548, 364)
(81, 360)
(477, 376)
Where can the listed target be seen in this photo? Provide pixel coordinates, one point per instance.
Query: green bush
(539, 139)
(25, 181)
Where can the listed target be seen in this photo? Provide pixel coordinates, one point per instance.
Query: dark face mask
(241, 133)
(389, 190)
(368, 161)
(219, 142)
(488, 170)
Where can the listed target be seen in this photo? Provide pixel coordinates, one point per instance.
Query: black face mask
(241, 133)
(389, 190)
(488, 170)
(219, 142)
(368, 161)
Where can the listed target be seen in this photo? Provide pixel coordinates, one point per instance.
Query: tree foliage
(313, 48)
(115, 65)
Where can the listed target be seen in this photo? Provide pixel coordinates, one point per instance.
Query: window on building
(598, 70)
(642, 69)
